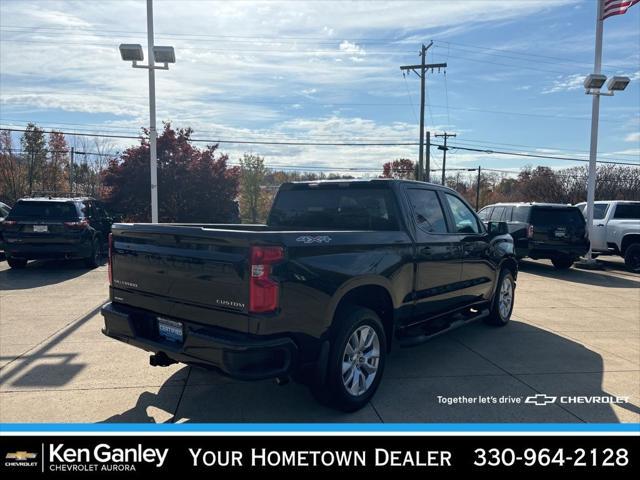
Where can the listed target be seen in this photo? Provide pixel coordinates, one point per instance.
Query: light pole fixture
(592, 84)
(165, 55)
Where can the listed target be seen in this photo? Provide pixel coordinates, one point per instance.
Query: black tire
(333, 392)
(93, 261)
(17, 262)
(562, 262)
(498, 316)
(632, 257)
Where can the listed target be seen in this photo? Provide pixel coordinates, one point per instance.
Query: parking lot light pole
(592, 84)
(164, 55)
(153, 134)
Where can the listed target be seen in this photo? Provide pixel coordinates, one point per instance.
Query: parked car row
(558, 232)
(543, 230)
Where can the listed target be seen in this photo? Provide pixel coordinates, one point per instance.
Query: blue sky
(325, 71)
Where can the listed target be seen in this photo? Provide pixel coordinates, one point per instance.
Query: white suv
(616, 230)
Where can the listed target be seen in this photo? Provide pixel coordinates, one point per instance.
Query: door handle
(600, 225)
(425, 251)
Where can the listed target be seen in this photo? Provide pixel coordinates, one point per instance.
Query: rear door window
(427, 210)
(627, 211)
(496, 216)
(44, 210)
(599, 210)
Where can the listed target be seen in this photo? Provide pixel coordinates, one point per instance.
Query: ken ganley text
(103, 457)
(262, 457)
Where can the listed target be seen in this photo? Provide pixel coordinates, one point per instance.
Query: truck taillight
(80, 225)
(8, 223)
(109, 267)
(530, 231)
(264, 291)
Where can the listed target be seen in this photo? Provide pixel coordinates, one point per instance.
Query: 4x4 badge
(314, 239)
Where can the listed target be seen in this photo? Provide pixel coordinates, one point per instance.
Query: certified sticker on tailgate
(170, 329)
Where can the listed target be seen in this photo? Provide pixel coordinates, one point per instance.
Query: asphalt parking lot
(574, 333)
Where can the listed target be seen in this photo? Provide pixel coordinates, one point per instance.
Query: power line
(391, 139)
(252, 142)
(513, 52)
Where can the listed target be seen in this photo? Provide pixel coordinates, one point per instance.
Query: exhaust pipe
(160, 359)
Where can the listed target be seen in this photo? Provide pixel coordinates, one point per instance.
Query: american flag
(616, 7)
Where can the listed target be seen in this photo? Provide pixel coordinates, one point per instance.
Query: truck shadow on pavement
(518, 362)
(596, 278)
(40, 273)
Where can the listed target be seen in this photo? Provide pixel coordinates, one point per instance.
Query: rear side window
(520, 214)
(427, 210)
(4, 211)
(507, 214)
(629, 211)
(557, 216)
(44, 210)
(463, 217)
(335, 208)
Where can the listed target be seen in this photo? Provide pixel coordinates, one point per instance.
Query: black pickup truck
(318, 293)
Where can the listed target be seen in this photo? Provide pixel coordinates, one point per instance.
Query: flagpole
(595, 112)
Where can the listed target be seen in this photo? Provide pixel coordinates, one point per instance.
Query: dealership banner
(64, 455)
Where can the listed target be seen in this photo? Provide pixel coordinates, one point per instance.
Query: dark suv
(55, 228)
(543, 230)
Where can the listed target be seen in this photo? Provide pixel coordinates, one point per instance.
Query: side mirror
(116, 217)
(497, 228)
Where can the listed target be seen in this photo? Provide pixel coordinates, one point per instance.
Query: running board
(412, 341)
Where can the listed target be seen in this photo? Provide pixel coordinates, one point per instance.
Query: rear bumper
(241, 356)
(545, 250)
(33, 251)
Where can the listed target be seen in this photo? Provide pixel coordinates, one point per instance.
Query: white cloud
(632, 137)
(235, 82)
(566, 83)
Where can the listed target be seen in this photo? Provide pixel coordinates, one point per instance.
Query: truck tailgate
(186, 267)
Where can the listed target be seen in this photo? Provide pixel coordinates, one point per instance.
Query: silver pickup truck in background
(616, 230)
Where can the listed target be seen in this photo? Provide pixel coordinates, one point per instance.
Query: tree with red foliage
(401, 168)
(194, 185)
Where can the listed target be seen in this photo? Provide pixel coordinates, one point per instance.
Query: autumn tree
(194, 185)
(34, 149)
(400, 168)
(56, 167)
(254, 199)
(13, 171)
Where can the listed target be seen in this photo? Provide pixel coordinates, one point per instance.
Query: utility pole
(421, 71)
(427, 172)
(71, 170)
(478, 189)
(444, 135)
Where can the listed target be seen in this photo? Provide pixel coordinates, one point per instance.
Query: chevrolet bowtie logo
(540, 399)
(21, 456)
